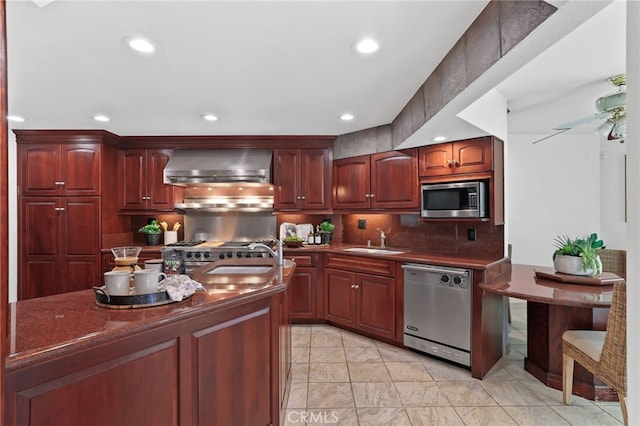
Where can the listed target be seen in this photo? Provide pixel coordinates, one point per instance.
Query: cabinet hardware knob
(456, 163)
(59, 209)
(371, 195)
(59, 183)
(449, 163)
(367, 195)
(353, 286)
(356, 287)
(303, 198)
(298, 197)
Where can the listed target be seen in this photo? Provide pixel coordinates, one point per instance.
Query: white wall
(613, 225)
(554, 189)
(633, 199)
(13, 219)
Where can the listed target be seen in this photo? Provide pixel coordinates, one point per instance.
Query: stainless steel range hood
(200, 167)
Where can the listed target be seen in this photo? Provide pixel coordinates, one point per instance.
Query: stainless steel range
(184, 257)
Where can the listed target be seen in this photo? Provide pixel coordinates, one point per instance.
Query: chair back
(614, 261)
(613, 360)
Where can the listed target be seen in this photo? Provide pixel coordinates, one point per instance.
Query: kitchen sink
(240, 269)
(372, 250)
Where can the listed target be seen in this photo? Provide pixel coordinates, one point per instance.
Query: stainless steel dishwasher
(437, 311)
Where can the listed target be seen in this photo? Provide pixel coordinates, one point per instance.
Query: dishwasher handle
(436, 269)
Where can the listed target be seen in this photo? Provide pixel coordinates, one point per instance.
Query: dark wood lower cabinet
(227, 367)
(233, 371)
(364, 302)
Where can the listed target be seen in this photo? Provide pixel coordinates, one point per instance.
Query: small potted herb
(152, 231)
(578, 256)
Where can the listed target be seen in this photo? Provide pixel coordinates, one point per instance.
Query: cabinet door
(159, 195)
(376, 305)
(80, 242)
(341, 297)
(133, 182)
(80, 169)
(233, 371)
(302, 292)
(394, 180)
(127, 390)
(39, 271)
(315, 179)
(435, 160)
(352, 188)
(40, 169)
(287, 179)
(472, 156)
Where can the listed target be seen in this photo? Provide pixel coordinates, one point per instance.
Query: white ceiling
(274, 67)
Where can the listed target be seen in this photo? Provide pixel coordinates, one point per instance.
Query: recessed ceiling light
(139, 44)
(209, 117)
(367, 45)
(15, 118)
(439, 138)
(100, 117)
(347, 117)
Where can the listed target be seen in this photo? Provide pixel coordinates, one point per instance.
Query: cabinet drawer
(368, 265)
(310, 259)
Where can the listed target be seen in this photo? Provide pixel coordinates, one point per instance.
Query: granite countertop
(408, 255)
(47, 327)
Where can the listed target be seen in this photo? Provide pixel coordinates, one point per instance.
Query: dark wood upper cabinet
(302, 179)
(465, 160)
(394, 180)
(141, 187)
(351, 183)
(387, 180)
(51, 169)
(466, 156)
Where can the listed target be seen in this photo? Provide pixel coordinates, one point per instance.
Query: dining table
(556, 303)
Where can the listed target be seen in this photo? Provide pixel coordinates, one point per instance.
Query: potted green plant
(326, 231)
(578, 256)
(152, 231)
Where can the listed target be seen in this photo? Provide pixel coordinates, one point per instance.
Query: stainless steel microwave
(455, 200)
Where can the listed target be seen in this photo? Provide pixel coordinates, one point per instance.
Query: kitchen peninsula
(217, 356)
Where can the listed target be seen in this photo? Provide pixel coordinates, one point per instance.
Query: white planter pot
(573, 265)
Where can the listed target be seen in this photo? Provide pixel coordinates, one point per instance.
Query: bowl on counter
(293, 243)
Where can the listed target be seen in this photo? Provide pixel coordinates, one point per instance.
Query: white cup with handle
(117, 283)
(147, 280)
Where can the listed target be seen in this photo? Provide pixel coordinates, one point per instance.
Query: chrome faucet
(383, 239)
(277, 254)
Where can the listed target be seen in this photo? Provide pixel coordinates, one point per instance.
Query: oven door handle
(438, 270)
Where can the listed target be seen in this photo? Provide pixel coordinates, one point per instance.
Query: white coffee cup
(117, 283)
(147, 280)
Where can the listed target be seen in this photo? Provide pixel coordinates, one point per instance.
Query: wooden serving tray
(131, 301)
(606, 278)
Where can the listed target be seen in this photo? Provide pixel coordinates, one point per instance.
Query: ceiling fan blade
(552, 135)
(585, 120)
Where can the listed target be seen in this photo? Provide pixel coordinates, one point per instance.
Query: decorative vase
(153, 239)
(325, 237)
(572, 265)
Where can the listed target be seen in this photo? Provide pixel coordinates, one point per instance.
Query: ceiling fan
(612, 107)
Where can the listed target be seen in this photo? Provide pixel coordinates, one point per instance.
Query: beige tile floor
(341, 378)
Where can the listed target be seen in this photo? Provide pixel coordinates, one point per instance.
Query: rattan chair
(602, 353)
(614, 261)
